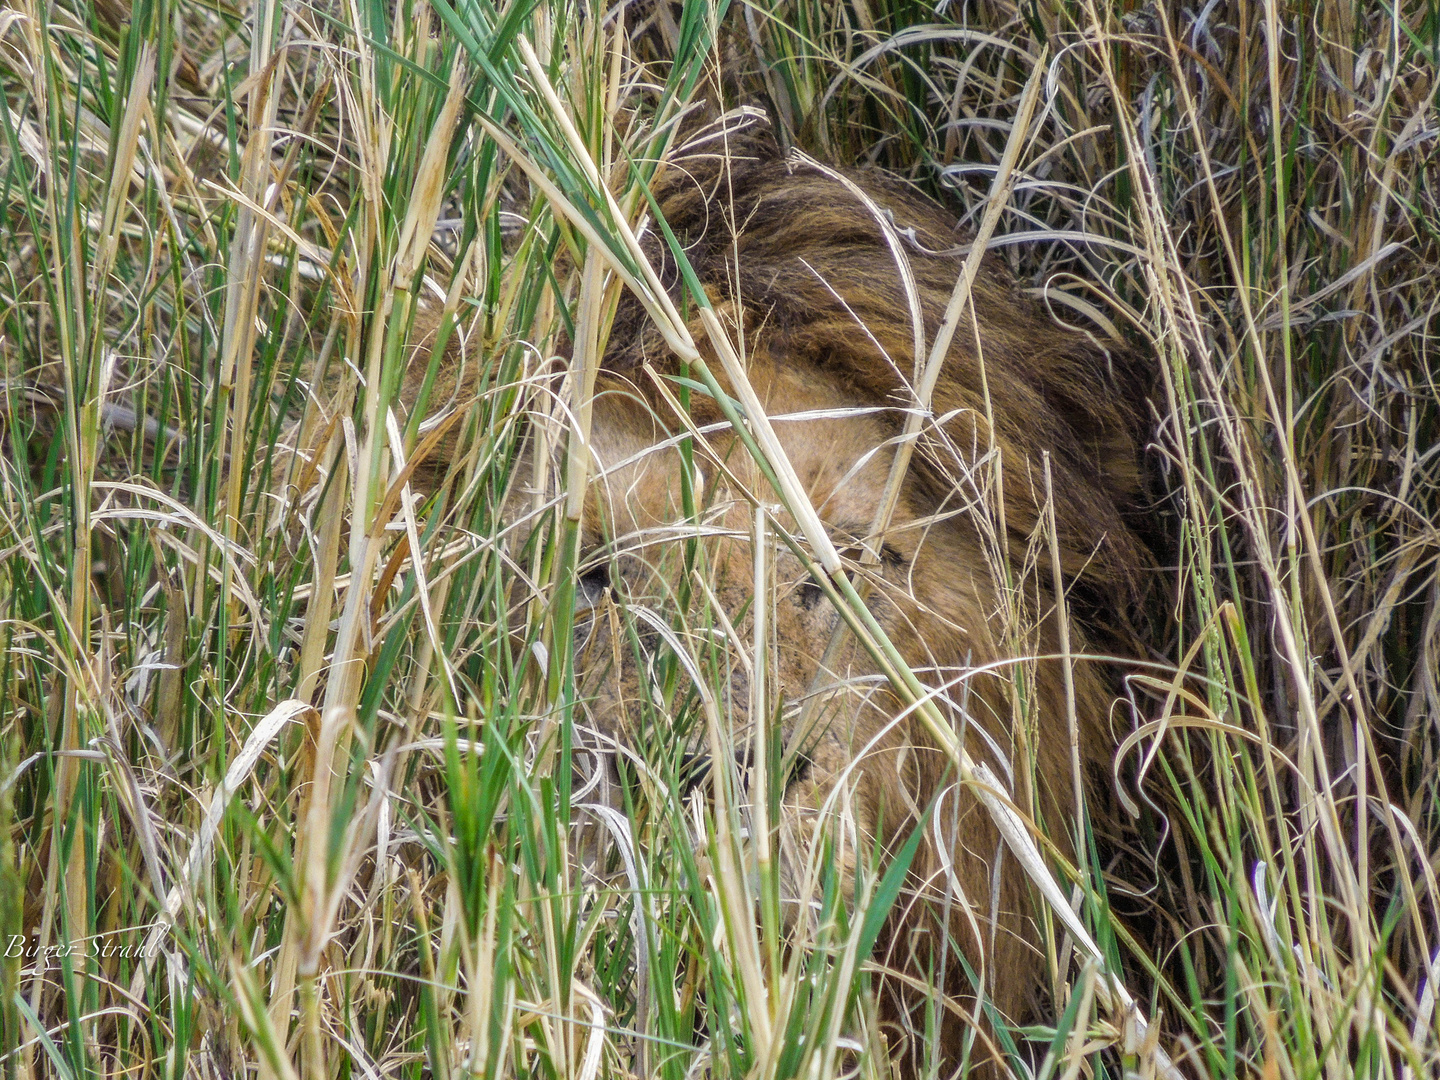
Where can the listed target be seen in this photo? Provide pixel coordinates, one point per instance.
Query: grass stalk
(297, 721)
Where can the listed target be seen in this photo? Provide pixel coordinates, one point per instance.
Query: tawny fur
(798, 263)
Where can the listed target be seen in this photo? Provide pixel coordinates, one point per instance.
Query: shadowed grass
(287, 757)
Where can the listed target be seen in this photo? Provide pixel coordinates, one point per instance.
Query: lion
(798, 262)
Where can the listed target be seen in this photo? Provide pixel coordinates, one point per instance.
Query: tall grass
(289, 739)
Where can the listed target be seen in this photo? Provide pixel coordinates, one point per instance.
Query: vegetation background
(280, 796)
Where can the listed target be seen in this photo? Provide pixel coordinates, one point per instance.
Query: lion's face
(669, 605)
(670, 596)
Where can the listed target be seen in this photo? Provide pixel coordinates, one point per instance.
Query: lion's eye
(890, 556)
(810, 594)
(591, 586)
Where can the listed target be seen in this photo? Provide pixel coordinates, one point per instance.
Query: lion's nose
(591, 588)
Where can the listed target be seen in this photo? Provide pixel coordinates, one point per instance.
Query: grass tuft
(288, 753)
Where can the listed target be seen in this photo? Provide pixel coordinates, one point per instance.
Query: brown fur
(795, 260)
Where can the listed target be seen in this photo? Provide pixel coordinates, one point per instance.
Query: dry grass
(264, 735)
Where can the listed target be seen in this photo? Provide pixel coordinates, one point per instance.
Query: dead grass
(307, 792)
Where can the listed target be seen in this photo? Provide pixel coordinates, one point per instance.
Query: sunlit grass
(288, 761)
